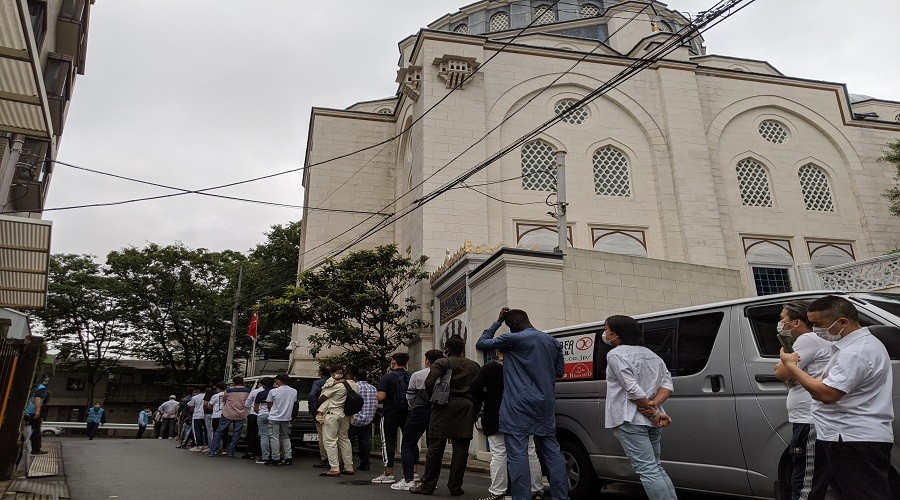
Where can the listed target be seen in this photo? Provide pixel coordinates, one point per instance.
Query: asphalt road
(151, 469)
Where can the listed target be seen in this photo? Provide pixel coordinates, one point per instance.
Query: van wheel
(783, 485)
(579, 470)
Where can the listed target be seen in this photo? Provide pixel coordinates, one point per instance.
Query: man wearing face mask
(852, 406)
(809, 475)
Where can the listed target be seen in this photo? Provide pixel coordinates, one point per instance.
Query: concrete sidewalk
(44, 481)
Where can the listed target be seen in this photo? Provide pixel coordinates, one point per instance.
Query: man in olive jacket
(453, 421)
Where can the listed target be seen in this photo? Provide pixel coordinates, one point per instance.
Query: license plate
(310, 437)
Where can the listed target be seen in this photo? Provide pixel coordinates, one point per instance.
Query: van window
(684, 343)
(891, 303)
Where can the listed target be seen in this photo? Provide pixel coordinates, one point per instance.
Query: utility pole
(562, 226)
(234, 319)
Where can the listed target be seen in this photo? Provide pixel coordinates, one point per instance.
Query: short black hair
(401, 358)
(797, 310)
(352, 371)
(517, 315)
(214, 380)
(627, 328)
(337, 368)
(222, 385)
(266, 382)
(835, 307)
(361, 374)
(455, 345)
(238, 380)
(283, 377)
(324, 370)
(434, 355)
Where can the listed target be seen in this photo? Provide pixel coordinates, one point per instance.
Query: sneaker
(287, 461)
(402, 485)
(247, 456)
(415, 477)
(384, 479)
(261, 461)
(494, 497)
(159, 438)
(271, 462)
(196, 448)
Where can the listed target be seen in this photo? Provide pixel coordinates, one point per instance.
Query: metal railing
(80, 425)
(863, 275)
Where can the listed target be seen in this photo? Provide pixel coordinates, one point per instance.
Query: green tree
(177, 301)
(83, 318)
(359, 303)
(270, 270)
(892, 155)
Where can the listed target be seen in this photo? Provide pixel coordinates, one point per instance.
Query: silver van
(730, 432)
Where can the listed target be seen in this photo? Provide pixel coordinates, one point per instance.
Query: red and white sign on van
(578, 356)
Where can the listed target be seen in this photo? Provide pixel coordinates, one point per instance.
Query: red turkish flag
(251, 330)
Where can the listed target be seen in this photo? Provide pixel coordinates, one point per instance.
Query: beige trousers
(337, 442)
(322, 454)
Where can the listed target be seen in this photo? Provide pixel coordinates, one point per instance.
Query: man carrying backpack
(392, 395)
(339, 397)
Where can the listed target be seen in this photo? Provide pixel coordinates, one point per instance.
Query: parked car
(731, 432)
(51, 431)
(303, 427)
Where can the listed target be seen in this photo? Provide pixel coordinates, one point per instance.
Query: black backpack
(354, 402)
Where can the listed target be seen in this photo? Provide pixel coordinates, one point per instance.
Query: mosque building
(703, 177)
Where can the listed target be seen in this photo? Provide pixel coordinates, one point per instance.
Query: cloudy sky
(206, 92)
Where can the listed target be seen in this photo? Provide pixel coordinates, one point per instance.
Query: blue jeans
(262, 421)
(280, 439)
(207, 419)
(520, 469)
(235, 436)
(641, 444)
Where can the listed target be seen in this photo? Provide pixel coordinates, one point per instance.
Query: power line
(707, 20)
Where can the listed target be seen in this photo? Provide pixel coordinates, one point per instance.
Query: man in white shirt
(852, 406)
(281, 400)
(169, 411)
(199, 422)
(809, 475)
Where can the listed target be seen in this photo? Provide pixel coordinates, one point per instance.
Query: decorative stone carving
(410, 80)
(863, 275)
(454, 70)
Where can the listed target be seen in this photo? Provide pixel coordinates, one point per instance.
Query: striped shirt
(632, 372)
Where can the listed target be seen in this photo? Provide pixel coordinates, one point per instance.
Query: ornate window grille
(753, 182)
(539, 166)
(461, 28)
(384, 111)
(589, 10)
(611, 177)
(897, 118)
(544, 14)
(816, 189)
(576, 116)
(772, 131)
(499, 21)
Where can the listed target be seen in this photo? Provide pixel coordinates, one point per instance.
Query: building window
(539, 236)
(611, 176)
(824, 254)
(72, 9)
(589, 10)
(772, 131)
(74, 384)
(38, 13)
(461, 28)
(816, 189)
(575, 116)
(539, 166)
(897, 118)
(620, 241)
(544, 14)
(384, 111)
(499, 21)
(770, 261)
(56, 77)
(753, 181)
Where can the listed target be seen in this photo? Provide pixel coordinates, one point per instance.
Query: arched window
(611, 177)
(770, 263)
(543, 14)
(825, 254)
(384, 111)
(461, 28)
(499, 21)
(576, 116)
(620, 241)
(539, 166)
(773, 131)
(589, 10)
(539, 237)
(753, 181)
(816, 188)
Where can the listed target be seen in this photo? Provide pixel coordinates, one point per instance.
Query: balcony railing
(864, 275)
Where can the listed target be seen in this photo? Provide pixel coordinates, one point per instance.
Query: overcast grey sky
(205, 92)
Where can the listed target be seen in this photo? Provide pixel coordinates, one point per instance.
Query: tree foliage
(83, 318)
(892, 155)
(360, 304)
(176, 301)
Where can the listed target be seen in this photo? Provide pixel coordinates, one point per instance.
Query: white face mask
(825, 333)
(605, 339)
(784, 332)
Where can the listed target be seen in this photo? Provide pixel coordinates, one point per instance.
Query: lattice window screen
(611, 177)
(773, 131)
(499, 21)
(816, 189)
(897, 118)
(544, 15)
(576, 116)
(589, 10)
(753, 182)
(539, 166)
(384, 111)
(462, 28)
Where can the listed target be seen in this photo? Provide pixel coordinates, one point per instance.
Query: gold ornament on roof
(656, 28)
(466, 248)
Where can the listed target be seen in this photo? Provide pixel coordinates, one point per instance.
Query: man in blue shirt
(96, 415)
(35, 414)
(532, 362)
(143, 421)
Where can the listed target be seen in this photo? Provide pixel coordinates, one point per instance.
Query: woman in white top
(637, 383)
(809, 471)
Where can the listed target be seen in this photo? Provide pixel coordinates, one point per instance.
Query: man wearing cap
(168, 410)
